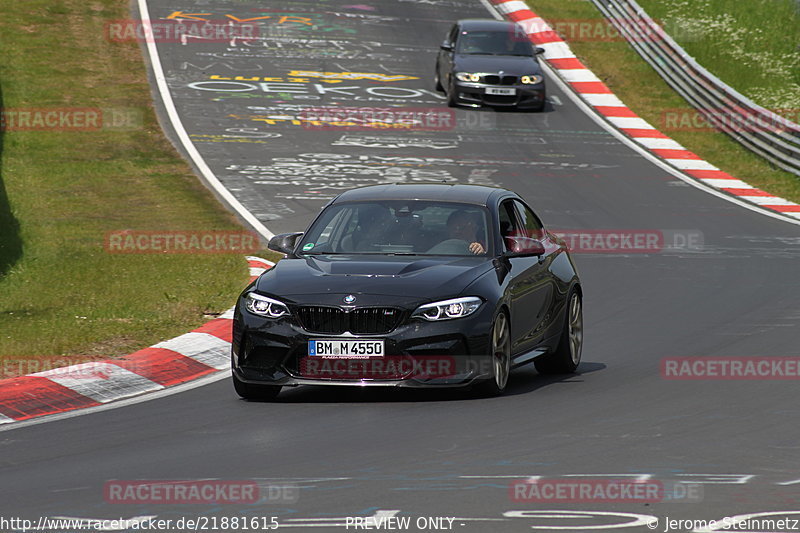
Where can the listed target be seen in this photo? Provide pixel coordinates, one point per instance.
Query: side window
(508, 222)
(531, 224)
(332, 233)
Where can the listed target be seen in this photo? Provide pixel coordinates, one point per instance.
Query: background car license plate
(501, 92)
(345, 349)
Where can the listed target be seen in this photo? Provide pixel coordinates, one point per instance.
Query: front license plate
(344, 349)
(501, 92)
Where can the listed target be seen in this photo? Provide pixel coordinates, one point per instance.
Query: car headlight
(533, 79)
(447, 309)
(263, 306)
(468, 76)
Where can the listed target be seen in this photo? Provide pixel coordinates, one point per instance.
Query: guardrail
(766, 133)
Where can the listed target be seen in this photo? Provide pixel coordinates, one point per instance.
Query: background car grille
(493, 79)
(335, 321)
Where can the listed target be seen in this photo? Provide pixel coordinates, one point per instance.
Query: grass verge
(753, 46)
(643, 90)
(62, 295)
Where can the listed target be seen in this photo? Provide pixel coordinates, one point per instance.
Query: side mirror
(284, 243)
(447, 46)
(539, 50)
(523, 246)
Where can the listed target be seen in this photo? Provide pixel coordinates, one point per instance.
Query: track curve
(357, 452)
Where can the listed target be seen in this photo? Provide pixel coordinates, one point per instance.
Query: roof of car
(472, 194)
(485, 25)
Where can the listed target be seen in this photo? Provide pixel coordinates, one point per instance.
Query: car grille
(493, 79)
(362, 320)
(499, 99)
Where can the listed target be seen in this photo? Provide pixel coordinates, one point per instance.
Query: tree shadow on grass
(10, 242)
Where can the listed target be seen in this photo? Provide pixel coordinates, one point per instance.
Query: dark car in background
(490, 62)
(417, 285)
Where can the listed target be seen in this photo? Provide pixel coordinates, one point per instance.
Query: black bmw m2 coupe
(411, 285)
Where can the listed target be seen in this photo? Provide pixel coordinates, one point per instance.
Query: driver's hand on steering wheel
(476, 248)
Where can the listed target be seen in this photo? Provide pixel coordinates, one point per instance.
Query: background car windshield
(494, 42)
(398, 227)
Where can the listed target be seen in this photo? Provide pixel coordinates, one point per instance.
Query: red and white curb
(599, 97)
(204, 351)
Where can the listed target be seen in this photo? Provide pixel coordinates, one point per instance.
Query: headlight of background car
(447, 309)
(466, 76)
(533, 79)
(263, 306)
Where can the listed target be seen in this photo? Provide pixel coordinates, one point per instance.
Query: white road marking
(636, 520)
(692, 164)
(767, 200)
(227, 314)
(556, 50)
(102, 382)
(605, 100)
(510, 7)
(659, 143)
(630, 122)
(202, 347)
(579, 74)
(372, 521)
(727, 184)
(260, 260)
(534, 25)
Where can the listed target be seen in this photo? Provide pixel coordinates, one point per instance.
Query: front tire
(567, 355)
(249, 391)
(501, 357)
(437, 80)
(452, 99)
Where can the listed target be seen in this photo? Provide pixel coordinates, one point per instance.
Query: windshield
(494, 43)
(409, 227)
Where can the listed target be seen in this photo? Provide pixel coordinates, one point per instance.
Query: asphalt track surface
(356, 452)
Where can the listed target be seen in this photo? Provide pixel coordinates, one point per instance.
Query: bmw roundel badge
(349, 299)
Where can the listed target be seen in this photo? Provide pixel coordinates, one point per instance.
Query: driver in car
(462, 229)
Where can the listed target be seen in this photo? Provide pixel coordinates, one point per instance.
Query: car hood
(413, 277)
(513, 65)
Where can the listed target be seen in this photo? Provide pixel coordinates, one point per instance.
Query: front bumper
(417, 353)
(475, 94)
